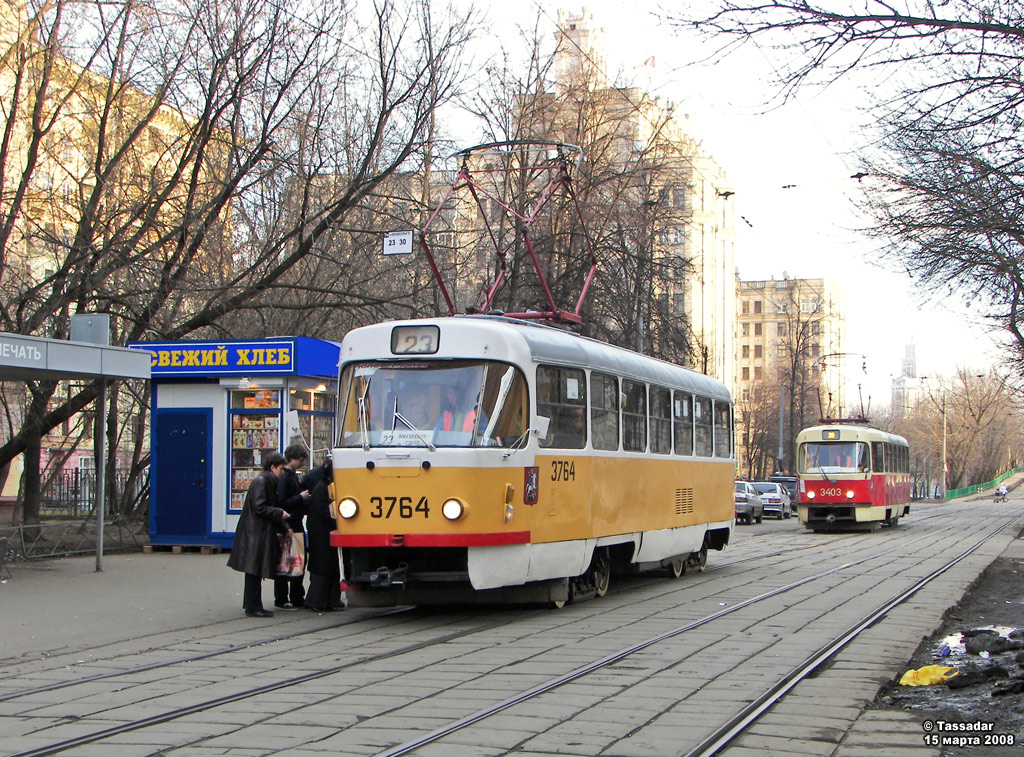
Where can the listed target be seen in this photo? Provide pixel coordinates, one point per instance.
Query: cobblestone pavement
(62, 621)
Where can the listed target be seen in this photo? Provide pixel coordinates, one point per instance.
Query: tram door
(181, 473)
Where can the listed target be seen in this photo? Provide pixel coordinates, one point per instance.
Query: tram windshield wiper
(419, 434)
(518, 444)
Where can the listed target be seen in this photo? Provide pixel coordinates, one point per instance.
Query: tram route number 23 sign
(398, 243)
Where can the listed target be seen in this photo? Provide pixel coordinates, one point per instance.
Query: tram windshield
(454, 403)
(834, 457)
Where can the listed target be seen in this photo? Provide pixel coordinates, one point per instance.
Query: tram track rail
(185, 659)
(751, 714)
(615, 657)
(213, 703)
(196, 657)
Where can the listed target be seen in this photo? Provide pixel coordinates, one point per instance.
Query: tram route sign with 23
(398, 243)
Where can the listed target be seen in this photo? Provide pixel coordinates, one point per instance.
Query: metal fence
(72, 494)
(67, 515)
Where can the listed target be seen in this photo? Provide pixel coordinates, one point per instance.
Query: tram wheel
(677, 567)
(699, 559)
(602, 571)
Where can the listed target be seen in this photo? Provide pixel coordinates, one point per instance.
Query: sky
(791, 171)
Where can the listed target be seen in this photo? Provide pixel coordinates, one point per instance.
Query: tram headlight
(849, 494)
(453, 509)
(348, 508)
(810, 495)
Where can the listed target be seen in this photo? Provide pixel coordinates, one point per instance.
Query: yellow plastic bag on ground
(928, 675)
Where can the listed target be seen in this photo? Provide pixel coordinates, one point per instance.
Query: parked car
(748, 503)
(774, 499)
(789, 482)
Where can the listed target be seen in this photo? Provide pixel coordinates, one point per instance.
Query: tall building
(678, 192)
(906, 388)
(793, 332)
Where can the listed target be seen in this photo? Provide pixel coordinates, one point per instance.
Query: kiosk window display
(255, 432)
(218, 410)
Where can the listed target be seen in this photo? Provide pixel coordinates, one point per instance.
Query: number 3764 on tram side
(485, 459)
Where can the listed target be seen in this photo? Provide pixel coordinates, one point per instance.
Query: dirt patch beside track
(994, 605)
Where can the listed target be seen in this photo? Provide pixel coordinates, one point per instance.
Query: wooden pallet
(177, 549)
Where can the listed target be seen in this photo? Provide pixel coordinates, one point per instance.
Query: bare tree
(152, 152)
(977, 417)
(945, 181)
(622, 184)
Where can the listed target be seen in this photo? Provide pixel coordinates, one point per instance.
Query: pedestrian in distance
(1002, 492)
(324, 571)
(256, 550)
(289, 593)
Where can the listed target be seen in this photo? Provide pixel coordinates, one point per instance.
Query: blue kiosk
(218, 408)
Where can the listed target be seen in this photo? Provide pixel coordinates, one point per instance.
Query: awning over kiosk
(29, 358)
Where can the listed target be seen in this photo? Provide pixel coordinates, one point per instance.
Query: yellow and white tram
(481, 458)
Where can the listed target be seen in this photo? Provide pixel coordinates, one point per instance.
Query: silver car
(774, 499)
(748, 503)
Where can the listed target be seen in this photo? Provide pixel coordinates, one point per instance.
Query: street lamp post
(944, 468)
(942, 406)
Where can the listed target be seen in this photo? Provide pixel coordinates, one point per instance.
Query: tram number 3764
(383, 507)
(563, 470)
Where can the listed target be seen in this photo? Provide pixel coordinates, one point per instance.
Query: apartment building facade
(791, 361)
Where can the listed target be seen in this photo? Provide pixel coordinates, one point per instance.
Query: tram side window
(562, 397)
(661, 421)
(634, 416)
(877, 457)
(682, 421)
(604, 411)
(723, 430)
(704, 431)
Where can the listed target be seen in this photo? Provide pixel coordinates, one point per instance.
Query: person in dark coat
(324, 571)
(289, 593)
(256, 550)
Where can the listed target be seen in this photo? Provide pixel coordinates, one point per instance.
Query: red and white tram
(851, 474)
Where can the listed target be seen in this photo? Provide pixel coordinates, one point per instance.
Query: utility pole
(782, 428)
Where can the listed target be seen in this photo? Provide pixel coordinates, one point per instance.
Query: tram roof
(548, 344)
(862, 430)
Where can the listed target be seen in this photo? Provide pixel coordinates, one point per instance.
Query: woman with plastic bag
(256, 549)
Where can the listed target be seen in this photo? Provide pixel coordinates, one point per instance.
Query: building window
(746, 373)
(757, 373)
(782, 329)
(757, 329)
(744, 307)
(757, 306)
(746, 329)
(745, 351)
(758, 351)
(679, 197)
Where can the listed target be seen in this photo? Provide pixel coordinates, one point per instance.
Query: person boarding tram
(289, 593)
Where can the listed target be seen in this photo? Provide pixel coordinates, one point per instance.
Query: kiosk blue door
(181, 483)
